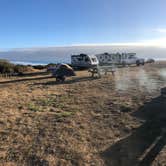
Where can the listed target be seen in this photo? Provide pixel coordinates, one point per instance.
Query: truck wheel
(137, 63)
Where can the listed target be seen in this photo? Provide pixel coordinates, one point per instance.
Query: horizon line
(149, 43)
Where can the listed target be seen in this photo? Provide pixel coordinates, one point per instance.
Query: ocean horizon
(44, 63)
(46, 55)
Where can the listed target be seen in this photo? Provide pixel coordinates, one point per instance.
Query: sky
(43, 23)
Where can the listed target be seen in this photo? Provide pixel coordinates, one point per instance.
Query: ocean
(43, 56)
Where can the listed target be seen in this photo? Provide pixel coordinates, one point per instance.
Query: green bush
(50, 65)
(20, 68)
(39, 67)
(7, 67)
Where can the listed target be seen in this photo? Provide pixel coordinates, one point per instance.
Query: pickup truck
(133, 60)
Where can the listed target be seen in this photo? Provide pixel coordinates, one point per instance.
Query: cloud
(161, 30)
(158, 42)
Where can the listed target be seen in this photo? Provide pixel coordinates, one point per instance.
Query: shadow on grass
(145, 143)
(32, 74)
(68, 81)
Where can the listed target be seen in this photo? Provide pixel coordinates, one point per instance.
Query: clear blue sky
(30, 23)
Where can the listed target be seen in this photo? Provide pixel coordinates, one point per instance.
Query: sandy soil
(114, 121)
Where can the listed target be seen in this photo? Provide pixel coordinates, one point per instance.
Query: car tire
(138, 63)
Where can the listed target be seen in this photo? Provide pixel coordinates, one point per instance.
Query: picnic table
(102, 70)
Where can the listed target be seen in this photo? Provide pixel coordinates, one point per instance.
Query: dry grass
(44, 123)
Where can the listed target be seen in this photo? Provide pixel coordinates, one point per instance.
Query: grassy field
(113, 121)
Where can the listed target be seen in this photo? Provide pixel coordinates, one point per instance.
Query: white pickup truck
(133, 60)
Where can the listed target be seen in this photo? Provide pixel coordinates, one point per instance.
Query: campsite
(82, 83)
(108, 121)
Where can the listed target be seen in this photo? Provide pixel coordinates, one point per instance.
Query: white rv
(119, 59)
(84, 61)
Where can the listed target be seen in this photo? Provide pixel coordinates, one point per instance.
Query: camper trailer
(119, 59)
(84, 61)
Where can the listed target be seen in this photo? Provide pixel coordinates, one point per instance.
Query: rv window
(131, 56)
(86, 59)
(93, 59)
(80, 59)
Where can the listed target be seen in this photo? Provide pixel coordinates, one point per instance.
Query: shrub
(20, 68)
(39, 67)
(6, 67)
(50, 65)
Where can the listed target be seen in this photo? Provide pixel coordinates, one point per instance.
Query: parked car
(134, 60)
(150, 61)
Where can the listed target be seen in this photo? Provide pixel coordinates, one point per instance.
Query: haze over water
(45, 55)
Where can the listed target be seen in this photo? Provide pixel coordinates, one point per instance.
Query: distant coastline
(46, 55)
(56, 61)
(28, 63)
